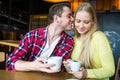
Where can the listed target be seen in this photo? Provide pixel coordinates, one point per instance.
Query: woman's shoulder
(99, 34)
(75, 38)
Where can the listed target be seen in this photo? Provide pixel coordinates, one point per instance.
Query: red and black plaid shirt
(33, 43)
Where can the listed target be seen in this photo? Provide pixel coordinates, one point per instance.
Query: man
(41, 43)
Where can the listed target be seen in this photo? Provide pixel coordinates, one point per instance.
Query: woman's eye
(78, 21)
(86, 22)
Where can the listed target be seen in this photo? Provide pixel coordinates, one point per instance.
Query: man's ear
(55, 17)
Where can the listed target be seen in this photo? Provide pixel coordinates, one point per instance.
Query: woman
(91, 46)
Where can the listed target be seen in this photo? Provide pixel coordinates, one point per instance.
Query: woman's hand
(81, 74)
(67, 66)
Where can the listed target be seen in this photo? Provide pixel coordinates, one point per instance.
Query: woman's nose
(81, 24)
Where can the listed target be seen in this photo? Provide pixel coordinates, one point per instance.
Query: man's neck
(53, 33)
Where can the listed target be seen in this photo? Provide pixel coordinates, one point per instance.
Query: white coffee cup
(75, 65)
(55, 60)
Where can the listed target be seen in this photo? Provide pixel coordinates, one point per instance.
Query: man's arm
(36, 65)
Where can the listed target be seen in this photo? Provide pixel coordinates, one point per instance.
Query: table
(12, 75)
(10, 43)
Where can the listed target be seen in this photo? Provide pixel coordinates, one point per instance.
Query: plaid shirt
(33, 43)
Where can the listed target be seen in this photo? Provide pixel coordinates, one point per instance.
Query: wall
(109, 22)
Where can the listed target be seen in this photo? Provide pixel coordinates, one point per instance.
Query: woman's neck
(81, 37)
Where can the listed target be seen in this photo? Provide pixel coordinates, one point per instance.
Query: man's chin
(69, 29)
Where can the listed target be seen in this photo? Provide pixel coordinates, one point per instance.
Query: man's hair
(56, 9)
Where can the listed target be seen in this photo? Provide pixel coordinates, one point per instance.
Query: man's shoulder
(67, 38)
(66, 35)
(38, 30)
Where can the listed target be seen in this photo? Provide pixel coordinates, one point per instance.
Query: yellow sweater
(102, 57)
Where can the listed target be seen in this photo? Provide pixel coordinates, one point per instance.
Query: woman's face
(83, 22)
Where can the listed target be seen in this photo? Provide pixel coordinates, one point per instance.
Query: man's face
(66, 19)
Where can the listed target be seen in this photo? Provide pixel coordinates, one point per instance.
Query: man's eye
(69, 16)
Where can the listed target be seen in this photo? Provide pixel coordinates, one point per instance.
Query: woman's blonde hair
(86, 52)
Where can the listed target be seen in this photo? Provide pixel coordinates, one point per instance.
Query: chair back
(2, 56)
(117, 73)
